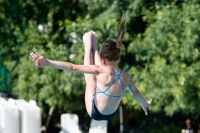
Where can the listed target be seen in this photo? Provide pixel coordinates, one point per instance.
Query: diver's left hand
(145, 108)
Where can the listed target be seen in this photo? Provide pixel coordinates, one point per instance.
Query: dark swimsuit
(96, 115)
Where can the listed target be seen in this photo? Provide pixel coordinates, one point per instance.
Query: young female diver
(106, 83)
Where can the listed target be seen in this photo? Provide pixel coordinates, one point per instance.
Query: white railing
(19, 116)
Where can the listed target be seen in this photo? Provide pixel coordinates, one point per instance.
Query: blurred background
(160, 51)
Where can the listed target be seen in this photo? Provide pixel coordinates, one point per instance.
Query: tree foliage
(160, 51)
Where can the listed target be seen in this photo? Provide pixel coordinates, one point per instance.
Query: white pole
(121, 118)
(49, 118)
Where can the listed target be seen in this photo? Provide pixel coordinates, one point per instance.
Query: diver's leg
(97, 58)
(89, 78)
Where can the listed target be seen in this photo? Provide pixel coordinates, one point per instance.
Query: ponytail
(110, 48)
(121, 32)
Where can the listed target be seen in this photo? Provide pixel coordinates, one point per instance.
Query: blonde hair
(110, 48)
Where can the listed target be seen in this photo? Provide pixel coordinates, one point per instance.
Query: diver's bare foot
(87, 40)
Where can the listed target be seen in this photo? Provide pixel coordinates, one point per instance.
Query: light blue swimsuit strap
(119, 79)
(116, 78)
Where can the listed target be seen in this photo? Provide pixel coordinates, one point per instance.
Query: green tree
(160, 50)
(169, 53)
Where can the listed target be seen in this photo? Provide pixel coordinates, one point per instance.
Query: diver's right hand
(39, 60)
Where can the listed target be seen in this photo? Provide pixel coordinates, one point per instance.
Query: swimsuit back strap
(111, 83)
(116, 78)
